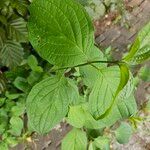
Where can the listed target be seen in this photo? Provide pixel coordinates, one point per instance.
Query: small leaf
(21, 84)
(123, 133)
(33, 63)
(47, 103)
(64, 38)
(11, 54)
(16, 126)
(79, 116)
(140, 50)
(18, 110)
(102, 143)
(17, 30)
(75, 140)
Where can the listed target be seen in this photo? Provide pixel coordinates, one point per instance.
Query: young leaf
(11, 54)
(16, 126)
(75, 140)
(21, 84)
(79, 116)
(47, 103)
(60, 31)
(33, 63)
(102, 143)
(123, 133)
(140, 49)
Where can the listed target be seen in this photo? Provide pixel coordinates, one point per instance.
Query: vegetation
(68, 77)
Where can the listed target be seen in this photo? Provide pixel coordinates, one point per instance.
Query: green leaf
(3, 146)
(75, 140)
(18, 110)
(61, 31)
(16, 126)
(21, 84)
(122, 109)
(102, 143)
(90, 73)
(3, 120)
(104, 90)
(123, 133)
(20, 6)
(17, 30)
(2, 83)
(140, 50)
(34, 77)
(144, 73)
(79, 116)
(33, 63)
(47, 103)
(11, 54)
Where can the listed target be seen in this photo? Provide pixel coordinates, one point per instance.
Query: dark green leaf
(65, 35)
(11, 54)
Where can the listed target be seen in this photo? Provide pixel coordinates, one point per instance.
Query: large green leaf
(47, 103)
(61, 31)
(75, 140)
(140, 50)
(104, 90)
(11, 54)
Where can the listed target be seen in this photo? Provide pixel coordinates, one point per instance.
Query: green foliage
(69, 43)
(13, 31)
(75, 140)
(75, 81)
(140, 50)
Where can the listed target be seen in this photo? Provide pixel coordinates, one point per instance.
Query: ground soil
(119, 37)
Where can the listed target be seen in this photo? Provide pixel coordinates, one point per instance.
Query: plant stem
(88, 63)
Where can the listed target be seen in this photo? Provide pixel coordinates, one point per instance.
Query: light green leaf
(11, 54)
(75, 140)
(79, 116)
(33, 63)
(18, 110)
(104, 90)
(123, 133)
(3, 146)
(65, 35)
(102, 143)
(34, 77)
(17, 30)
(47, 103)
(144, 73)
(140, 50)
(16, 126)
